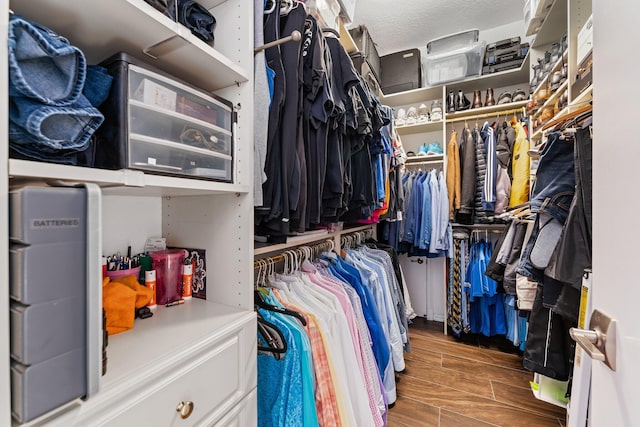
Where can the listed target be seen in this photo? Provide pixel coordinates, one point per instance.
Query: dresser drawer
(208, 381)
(245, 413)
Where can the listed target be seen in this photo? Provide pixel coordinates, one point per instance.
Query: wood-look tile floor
(449, 383)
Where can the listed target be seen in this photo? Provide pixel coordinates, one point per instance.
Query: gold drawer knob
(185, 409)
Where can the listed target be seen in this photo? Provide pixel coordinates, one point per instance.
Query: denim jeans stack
(193, 16)
(53, 94)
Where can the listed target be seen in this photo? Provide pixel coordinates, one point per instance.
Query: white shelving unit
(563, 16)
(101, 29)
(416, 134)
(419, 128)
(493, 109)
(268, 249)
(202, 351)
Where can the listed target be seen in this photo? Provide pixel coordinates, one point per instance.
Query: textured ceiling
(397, 25)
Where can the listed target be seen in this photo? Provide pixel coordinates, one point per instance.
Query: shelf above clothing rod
(495, 114)
(421, 160)
(495, 226)
(424, 162)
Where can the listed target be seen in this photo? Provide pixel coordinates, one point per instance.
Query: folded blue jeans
(97, 85)
(193, 16)
(43, 65)
(50, 128)
(34, 151)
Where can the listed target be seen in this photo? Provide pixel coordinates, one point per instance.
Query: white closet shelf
(553, 26)
(486, 110)
(585, 96)
(553, 98)
(118, 182)
(494, 80)
(419, 128)
(89, 25)
(556, 67)
(166, 334)
(413, 96)
(538, 133)
(263, 249)
(538, 16)
(506, 78)
(346, 40)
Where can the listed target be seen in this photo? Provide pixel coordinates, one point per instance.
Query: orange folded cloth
(143, 294)
(120, 298)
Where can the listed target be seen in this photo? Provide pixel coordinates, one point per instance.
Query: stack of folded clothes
(52, 94)
(190, 14)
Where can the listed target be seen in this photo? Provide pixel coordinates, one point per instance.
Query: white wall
(426, 285)
(504, 32)
(125, 223)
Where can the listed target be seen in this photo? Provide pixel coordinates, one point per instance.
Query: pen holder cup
(168, 267)
(116, 274)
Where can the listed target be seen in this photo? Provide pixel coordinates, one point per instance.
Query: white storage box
(585, 40)
(454, 65)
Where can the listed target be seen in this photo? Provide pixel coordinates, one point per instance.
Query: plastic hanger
(258, 301)
(277, 344)
(271, 8)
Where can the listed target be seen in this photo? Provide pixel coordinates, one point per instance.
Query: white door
(615, 396)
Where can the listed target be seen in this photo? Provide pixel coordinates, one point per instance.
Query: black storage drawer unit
(365, 44)
(156, 123)
(401, 71)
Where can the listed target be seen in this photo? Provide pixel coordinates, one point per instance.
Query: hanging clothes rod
(568, 116)
(299, 251)
(497, 227)
(423, 162)
(295, 36)
(482, 116)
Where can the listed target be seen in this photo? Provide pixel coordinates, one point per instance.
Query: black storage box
(156, 123)
(504, 51)
(365, 44)
(401, 71)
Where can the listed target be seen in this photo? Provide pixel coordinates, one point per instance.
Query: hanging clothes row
(476, 303)
(558, 250)
(487, 170)
(322, 156)
(345, 330)
(423, 228)
(540, 258)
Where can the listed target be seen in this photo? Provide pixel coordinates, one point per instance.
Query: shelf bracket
(165, 46)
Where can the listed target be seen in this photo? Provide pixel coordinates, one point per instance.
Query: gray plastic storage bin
(56, 297)
(43, 331)
(48, 251)
(37, 389)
